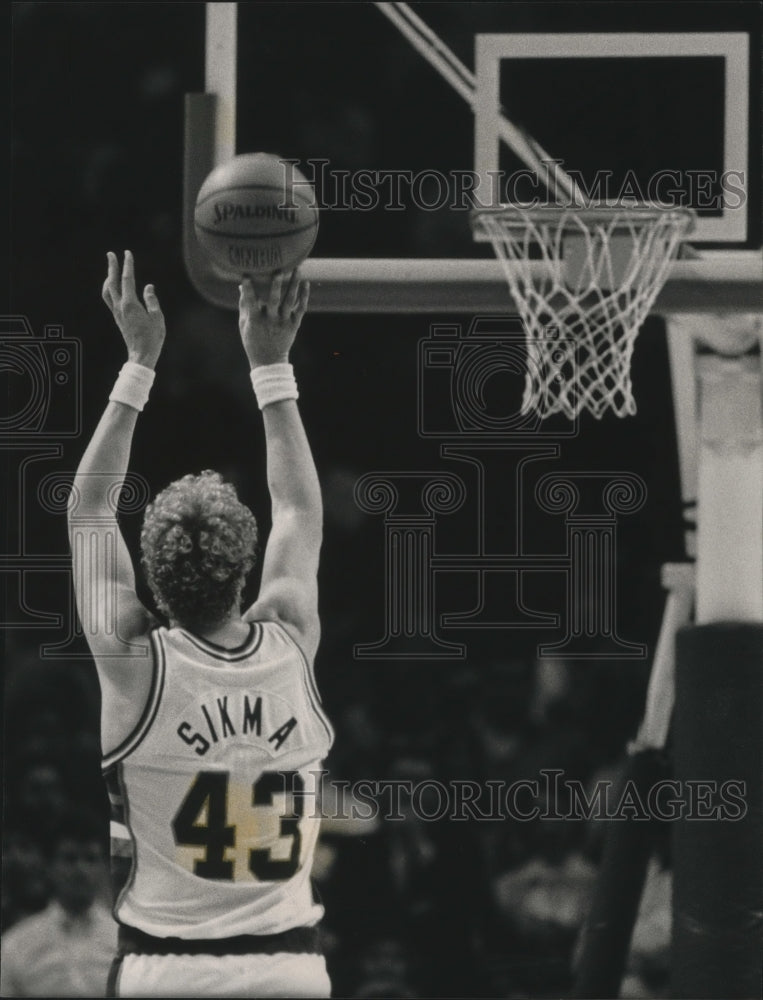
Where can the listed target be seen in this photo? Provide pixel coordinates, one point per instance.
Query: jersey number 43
(204, 820)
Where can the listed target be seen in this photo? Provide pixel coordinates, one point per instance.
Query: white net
(583, 282)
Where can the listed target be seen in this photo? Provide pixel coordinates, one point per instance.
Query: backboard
(400, 131)
(619, 111)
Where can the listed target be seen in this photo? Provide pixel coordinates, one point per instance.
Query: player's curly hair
(198, 543)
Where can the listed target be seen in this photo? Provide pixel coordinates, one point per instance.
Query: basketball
(256, 214)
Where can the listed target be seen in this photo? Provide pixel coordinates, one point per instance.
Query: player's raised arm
(111, 614)
(288, 590)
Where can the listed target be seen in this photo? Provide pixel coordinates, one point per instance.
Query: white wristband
(272, 383)
(133, 385)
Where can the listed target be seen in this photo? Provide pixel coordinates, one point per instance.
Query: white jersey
(215, 794)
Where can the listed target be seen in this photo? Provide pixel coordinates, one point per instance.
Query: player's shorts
(234, 967)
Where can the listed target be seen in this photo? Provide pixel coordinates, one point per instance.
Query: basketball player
(212, 730)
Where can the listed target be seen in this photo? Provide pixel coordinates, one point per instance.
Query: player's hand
(142, 327)
(269, 320)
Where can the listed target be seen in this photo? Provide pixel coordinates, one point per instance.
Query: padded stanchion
(628, 847)
(718, 842)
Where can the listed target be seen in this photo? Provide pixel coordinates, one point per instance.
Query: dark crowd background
(413, 908)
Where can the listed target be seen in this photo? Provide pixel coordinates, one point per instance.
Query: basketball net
(584, 281)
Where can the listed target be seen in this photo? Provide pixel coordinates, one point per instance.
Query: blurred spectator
(359, 756)
(385, 989)
(67, 949)
(47, 703)
(414, 891)
(37, 797)
(26, 889)
(543, 902)
(37, 730)
(383, 970)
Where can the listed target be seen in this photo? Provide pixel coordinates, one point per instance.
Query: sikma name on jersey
(218, 720)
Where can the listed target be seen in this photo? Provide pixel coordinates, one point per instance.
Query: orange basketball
(256, 214)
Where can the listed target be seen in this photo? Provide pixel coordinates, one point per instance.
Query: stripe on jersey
(122, 843)
(150, 710)
(310, 685)
(248, 647)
